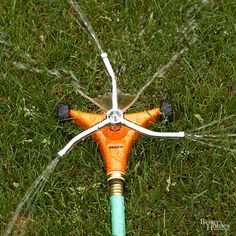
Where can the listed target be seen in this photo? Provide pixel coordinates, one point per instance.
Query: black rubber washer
(166, 110)
(63, 112)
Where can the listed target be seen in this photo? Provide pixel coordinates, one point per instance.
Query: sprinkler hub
(115, 116)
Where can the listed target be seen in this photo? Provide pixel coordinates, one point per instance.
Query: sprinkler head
(115, 116)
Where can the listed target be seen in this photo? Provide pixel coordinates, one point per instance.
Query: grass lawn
(171, 185)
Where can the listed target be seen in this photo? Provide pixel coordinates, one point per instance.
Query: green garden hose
(117, 215)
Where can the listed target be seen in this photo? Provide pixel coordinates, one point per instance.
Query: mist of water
(220, 134)
(59, 73)
(29, 63)
(124, 100)
(212, 144)
(104, 102)
(31, 192)
(191, 37)
(87, 24)
(160, 73)
(217, 122)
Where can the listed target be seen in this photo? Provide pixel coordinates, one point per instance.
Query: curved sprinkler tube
(110, 71)
(180, 134)
(82, 135)
(116, 182)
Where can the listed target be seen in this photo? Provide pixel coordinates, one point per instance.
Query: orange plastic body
(115, 142)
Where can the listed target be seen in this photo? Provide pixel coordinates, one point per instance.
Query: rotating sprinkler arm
(113, 80)
(82, 135)
(151, 133)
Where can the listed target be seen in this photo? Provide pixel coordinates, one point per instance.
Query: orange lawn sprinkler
(115, 132)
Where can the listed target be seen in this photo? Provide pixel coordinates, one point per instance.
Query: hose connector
(116, 183)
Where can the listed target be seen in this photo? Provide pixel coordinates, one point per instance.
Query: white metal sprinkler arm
(151, 133)
(113, 79)
(82, 135)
